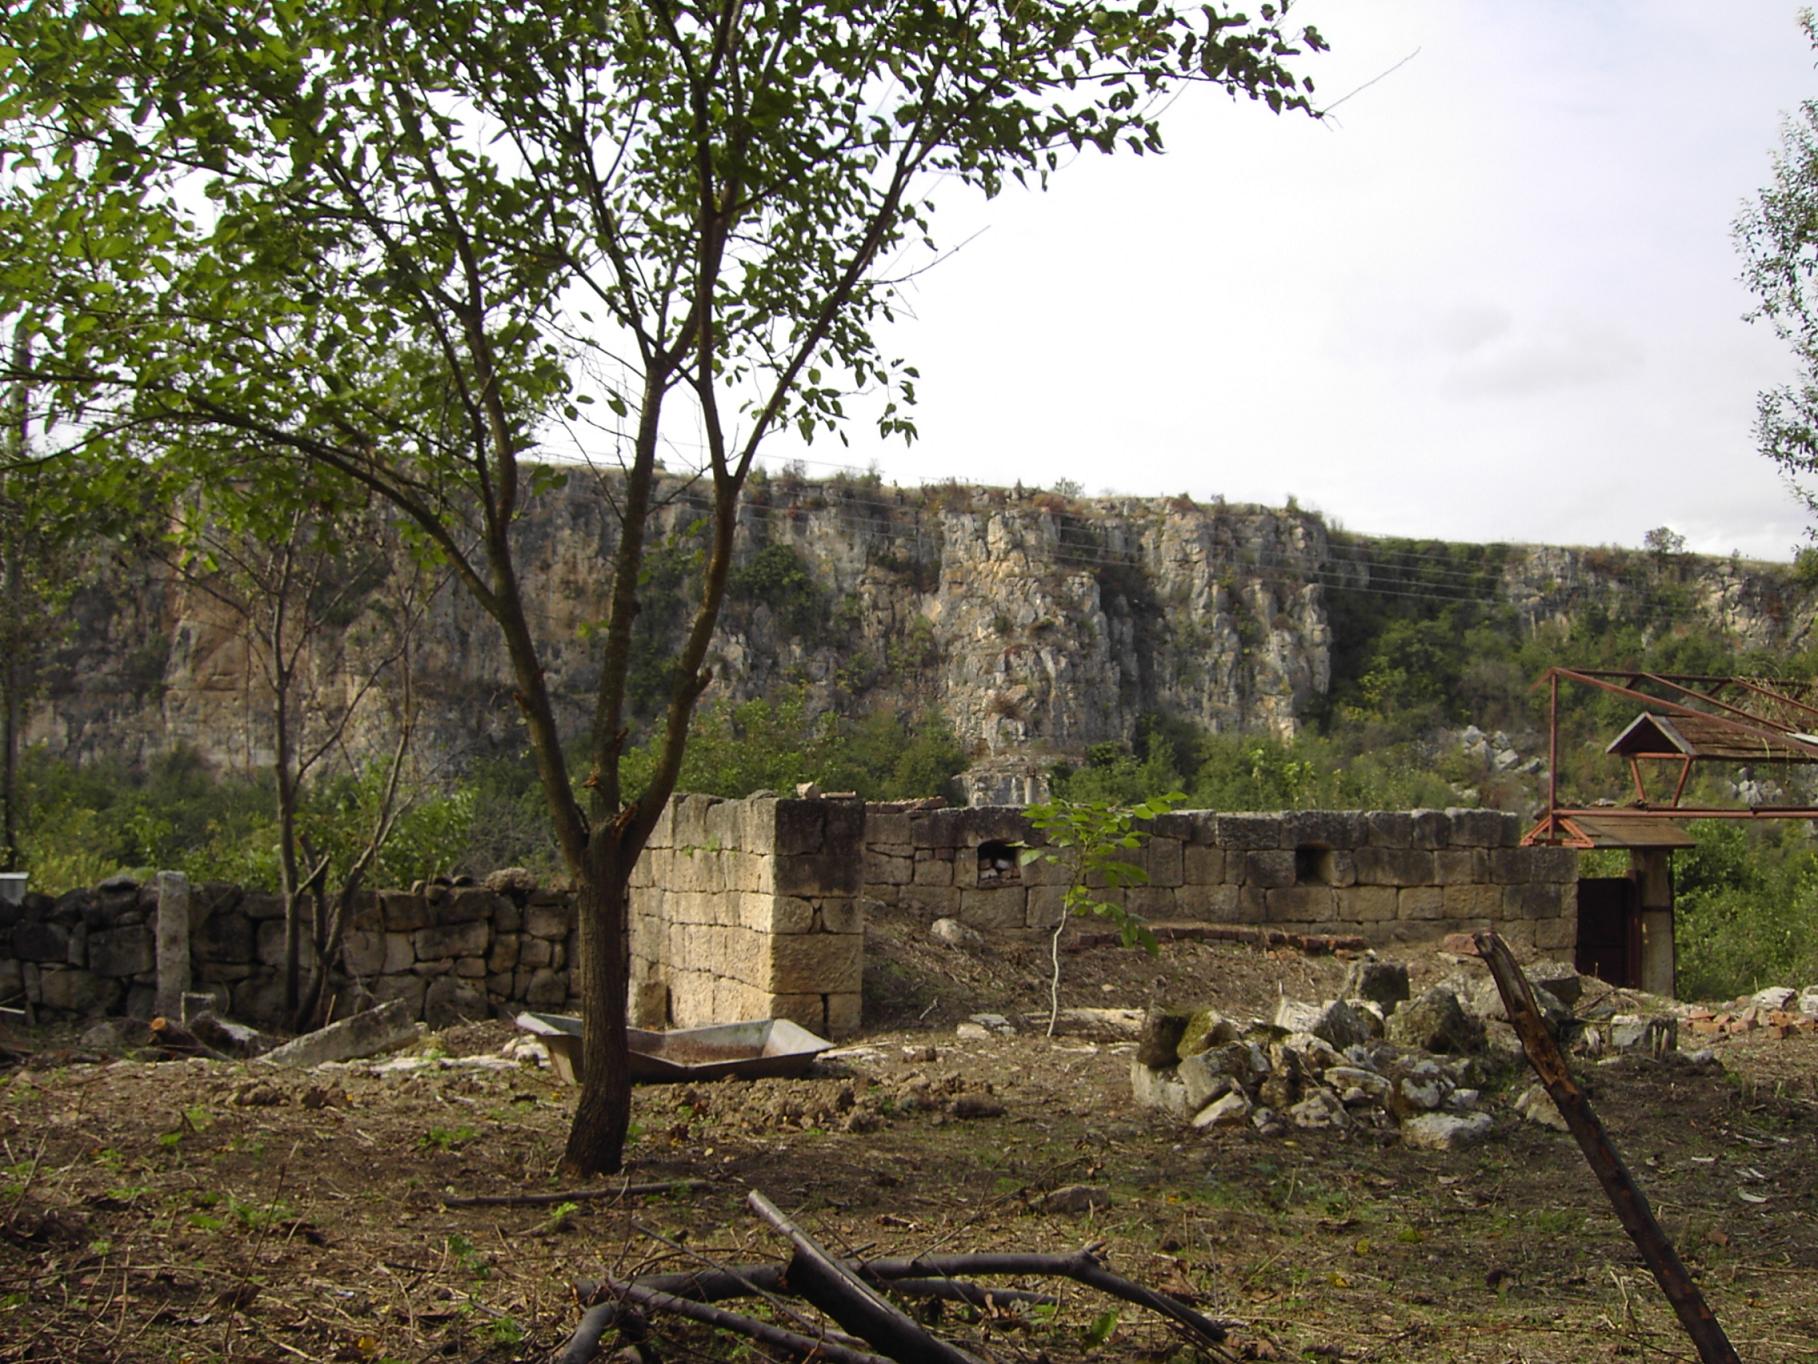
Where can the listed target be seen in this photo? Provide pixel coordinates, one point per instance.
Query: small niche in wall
(1313, 865)
(998, 864)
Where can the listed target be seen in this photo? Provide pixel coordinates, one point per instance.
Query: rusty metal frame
(1695, 694)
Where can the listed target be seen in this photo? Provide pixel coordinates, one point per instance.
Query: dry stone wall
(1389, 876)
(450, 952)
(741, 909)
(755, 909)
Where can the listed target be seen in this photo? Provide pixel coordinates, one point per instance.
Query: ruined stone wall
(741, 909)
(451, 952)
(749, 909)
(1389, 876)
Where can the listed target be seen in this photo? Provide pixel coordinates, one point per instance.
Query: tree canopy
(288, 246)
(1778, 238)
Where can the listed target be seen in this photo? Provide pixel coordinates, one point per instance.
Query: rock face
(1037, 624)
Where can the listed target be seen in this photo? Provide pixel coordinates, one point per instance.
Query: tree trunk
(602, 1114)
(12, 612)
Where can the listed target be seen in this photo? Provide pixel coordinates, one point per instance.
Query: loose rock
(1445, 1131)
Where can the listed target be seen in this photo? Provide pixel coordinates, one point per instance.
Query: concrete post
(173, 943)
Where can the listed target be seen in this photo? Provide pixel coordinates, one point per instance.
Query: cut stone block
(367, 1034)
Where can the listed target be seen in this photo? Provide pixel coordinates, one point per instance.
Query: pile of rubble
(1374, 1058)
(1779, 1010)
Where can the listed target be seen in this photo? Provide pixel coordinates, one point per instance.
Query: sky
(1493, 296)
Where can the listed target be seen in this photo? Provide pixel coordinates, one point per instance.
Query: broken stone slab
(1383, 983)
(377, 1030)
(1334, 1021)
(1321, 1108)
(1655, 1034)
(1366, 1085)
(1536, 1106)
(1436, 1022)
(1206, 1078)
(1315, 1053)
(1161, 1089)
(955, 934)
(1486, 1003)
(1560, 979)
(1268, 1122)
(1226, 1111)
(1158, 1045)
(1774, 997)
(1416, 1095)
(1446, 1131)
(1207, 1028)
(1095, 1025)
(1807, 1003)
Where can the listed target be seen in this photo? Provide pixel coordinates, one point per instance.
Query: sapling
(1089, 838)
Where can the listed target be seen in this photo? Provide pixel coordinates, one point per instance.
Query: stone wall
(749, 909)
(452, 952)
(752, 909)
(1387, 876)
(741, 909)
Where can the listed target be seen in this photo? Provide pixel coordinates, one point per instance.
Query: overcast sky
(1494, 297)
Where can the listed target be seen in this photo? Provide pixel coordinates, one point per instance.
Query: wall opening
(1313, 865)
(998, 864)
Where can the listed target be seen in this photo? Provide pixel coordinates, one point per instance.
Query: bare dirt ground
(195, 1210)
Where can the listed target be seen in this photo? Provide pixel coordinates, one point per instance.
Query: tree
(1778, 239)
(295, 585)
(38, 526)
(1088, 839)
(415, 245)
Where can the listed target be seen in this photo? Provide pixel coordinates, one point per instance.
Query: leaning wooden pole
(1625, 1196)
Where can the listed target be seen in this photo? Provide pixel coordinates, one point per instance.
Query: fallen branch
(843, 1289)
(739, 1281)
(537, 1200)
(807, 1347)
(1581, 1119)
(842, 1295)
(1082, 1266)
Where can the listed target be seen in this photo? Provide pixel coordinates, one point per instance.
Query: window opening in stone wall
(1313, 865)
(998, 864)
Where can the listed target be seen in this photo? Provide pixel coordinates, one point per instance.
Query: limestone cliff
(1036, 623)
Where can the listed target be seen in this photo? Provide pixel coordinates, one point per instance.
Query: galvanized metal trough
(765, 1047)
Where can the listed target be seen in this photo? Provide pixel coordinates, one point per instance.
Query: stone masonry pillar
(173, 943)
(1652, 869)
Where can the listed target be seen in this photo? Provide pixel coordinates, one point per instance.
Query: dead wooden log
(173, 1039)
(226, 1036)
(854, 1304)
(1581, 1120)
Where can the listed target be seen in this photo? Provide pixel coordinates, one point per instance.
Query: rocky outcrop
(1039, 625)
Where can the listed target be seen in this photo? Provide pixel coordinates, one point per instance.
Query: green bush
(1746, 908)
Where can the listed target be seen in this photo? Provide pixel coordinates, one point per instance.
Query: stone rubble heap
(1779, 1011)
(1374, 1058)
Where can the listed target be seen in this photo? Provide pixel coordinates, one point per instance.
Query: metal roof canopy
(1613, 829)
(1688, 717)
